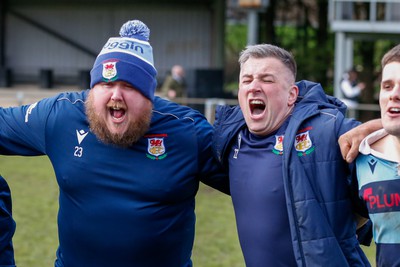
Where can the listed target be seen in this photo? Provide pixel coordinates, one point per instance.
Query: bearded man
(128, 164)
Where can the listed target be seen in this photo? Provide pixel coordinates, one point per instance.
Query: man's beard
(133, 133)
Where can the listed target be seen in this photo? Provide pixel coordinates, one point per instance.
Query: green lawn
(35, 202)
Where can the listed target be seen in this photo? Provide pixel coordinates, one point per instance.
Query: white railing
(16, 98)
(365, 10)
(12, 97)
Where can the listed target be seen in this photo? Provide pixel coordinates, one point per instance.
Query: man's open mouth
(394, 110)
(257, 106)
(117, 112)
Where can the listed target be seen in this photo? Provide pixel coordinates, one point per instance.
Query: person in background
(174, 85)
(294, 196)
(378, 163)
(351, 88)
(128, 163)
(7, 226)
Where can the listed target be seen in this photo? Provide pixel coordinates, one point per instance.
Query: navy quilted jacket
(318, 185)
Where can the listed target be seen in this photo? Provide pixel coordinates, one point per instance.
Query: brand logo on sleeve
(29, 111)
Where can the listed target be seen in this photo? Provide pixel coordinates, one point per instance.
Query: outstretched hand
(350, 141)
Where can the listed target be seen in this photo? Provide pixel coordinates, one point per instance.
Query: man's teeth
(256, 102)
(395, 110)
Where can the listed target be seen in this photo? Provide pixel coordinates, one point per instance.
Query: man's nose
(395, 94)
(254, 86)
(117, 93)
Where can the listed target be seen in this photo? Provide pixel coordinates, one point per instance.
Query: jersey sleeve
(211, 172)
(348, 124)
(23, 128)
(364, 233)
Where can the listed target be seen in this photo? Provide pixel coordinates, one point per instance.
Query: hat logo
(109, 71)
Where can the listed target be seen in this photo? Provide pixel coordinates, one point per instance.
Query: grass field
(35, 202)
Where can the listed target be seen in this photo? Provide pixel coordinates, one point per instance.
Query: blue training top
(315, 177)
(258, 195)
(118, 207)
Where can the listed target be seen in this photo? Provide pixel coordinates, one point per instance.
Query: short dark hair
(268, 50)
(393, 55)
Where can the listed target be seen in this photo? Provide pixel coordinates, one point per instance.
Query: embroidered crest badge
(303, 143)
(278, 147)
(110, 71)
(155, 147)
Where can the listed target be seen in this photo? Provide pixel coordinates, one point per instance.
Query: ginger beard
(137, 128)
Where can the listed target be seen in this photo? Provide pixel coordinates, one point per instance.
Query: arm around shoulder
(350, 141)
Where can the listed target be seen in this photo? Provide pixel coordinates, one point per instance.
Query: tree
(301, 26)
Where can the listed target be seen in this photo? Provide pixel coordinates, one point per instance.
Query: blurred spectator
(351, 88)
(174, 84)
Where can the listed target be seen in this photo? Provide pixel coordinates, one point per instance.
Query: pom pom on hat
(127, 58)
(135, 29)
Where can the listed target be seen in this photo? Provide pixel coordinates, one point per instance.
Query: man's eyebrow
(386, 81)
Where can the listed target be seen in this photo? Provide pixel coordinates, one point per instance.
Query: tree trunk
(366, 51)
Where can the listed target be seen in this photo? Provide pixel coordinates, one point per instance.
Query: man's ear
(293, 93)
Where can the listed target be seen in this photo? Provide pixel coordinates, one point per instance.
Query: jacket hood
(311, 92)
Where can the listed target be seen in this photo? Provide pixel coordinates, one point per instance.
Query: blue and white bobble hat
(128, 58)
